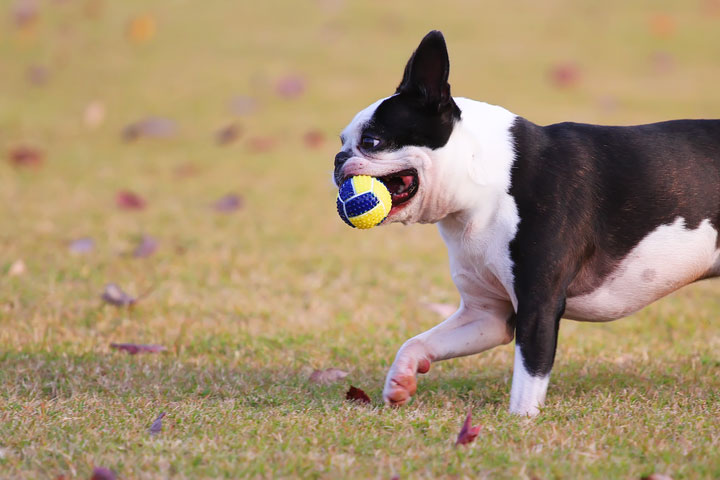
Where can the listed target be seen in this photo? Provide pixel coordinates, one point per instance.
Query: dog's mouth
(402, 185)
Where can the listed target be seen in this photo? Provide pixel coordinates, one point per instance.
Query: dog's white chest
(668, 258)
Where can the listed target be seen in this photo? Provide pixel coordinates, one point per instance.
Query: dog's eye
(368, 143)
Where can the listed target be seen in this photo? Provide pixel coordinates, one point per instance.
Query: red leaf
(127, 200)
(467, 433)
(156, 426)
(228, 134)
(102, 473)
(314, 139)
(357, 395)
(134, 348)
(329, 375)
(228, 203)
(23, 156)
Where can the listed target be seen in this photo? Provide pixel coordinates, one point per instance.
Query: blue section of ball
(347, 190)
(361, 204)
(341, 212)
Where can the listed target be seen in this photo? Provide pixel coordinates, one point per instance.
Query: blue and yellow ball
(363, 201)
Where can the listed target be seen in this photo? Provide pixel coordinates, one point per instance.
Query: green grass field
(249, 303)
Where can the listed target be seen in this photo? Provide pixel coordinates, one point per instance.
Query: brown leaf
(657, 476)
(114, 295)
(565, 75)
(146, 247)
(314, 139)
(228, 203)
(357, 395)
(135, 348)
(228, 134)
(82, 245)
(156, 426)
(25, 13)
(467, 433)
(327, 376)
(290, 86)
(24, 156)
(127, 200)
(102, 473)
(150, 127)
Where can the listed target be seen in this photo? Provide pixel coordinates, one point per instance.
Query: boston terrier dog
(570, 220)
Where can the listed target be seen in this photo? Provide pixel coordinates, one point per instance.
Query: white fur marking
(527, 394)
(668, 258)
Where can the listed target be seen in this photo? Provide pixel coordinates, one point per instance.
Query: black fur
(586, 195)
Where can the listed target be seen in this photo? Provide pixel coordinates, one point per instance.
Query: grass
(249, 303)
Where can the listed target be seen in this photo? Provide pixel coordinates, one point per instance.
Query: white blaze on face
(666, 259)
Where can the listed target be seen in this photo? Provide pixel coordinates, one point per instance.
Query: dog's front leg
(470, 330)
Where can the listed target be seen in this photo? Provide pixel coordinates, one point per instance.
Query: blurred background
(186, 147)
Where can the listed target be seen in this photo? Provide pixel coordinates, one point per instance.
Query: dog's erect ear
(426, 73)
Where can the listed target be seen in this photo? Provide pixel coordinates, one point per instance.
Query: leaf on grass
(37, 75)
(468, 433)
(114, 295)
(156, 426)
(243, 105)
(314, 139)
(82, 245)
(94, 114)
(151, 127)
(327, 376)
(565, 75)
(442, 309)
(25, 13)
(228, 203)
(357, 395)
(102, 473)
(657, 476)
(127, 200)
(290, 86)
(228, 134)
(23, 156)
(17, 268)
(146, 247)
(135, 348)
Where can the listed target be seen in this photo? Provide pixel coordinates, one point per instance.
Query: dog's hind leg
(468, 331)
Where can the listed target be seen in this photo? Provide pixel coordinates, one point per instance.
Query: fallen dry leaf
(94, 114)
(114, 295)
(82, 245)
(141, 28)
(442, 309)
(127, 200)
(156, 426)
(565, 75)
(467, 433)
(135, 348)
(25, 13)
(327, 376)
(228, 203)
(151, 127)
(23, 156)
(657, 476)
(228, 134)
(314, 139)
(146, 247)
(357, 395)
(17, 268)
(102, 473)
(290, 86)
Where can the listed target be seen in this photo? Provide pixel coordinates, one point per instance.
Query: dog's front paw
(401, 383)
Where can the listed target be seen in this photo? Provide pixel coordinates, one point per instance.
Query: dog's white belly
(668, 258)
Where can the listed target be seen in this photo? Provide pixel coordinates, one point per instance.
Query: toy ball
(363, 201)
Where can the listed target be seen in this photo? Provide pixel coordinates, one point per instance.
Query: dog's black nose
(341, 158)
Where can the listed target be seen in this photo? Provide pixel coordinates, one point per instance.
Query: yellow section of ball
(373, 217)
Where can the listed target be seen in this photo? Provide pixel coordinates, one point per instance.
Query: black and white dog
(579, 221)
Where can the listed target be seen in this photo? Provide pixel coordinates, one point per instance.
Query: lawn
(249, 301)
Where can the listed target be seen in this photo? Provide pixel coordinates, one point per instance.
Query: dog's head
(403, 139)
